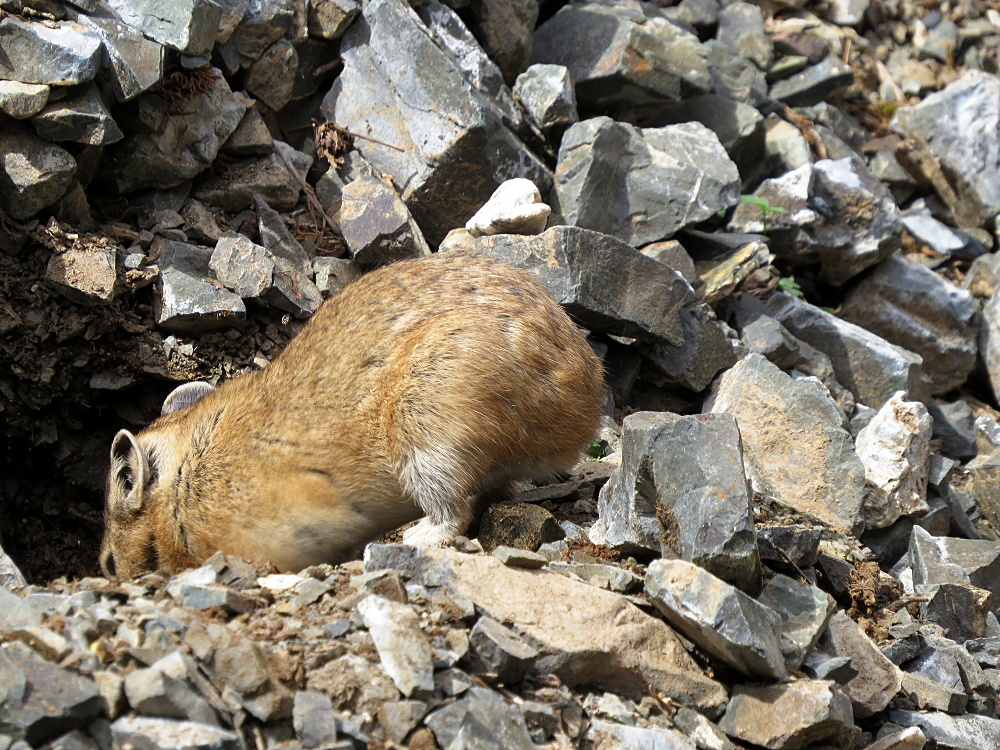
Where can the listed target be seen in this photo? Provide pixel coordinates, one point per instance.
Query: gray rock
(519, 558)
(520, 525)
(885, 165)
(741, 26)
(989, 339)
(504, 28)
(60, 54)
(609, 577)
(277, 179)
(85, 275)
(186, 300)
(790, 232)
(607, 735)
(498, 650)
(174, 146)
(938, 560)
(928, 694)
(965, 732)
(10, 576)
(402, 646)
(546, 92)
(314, 719)
(878, 679)
(329, 19)
(794, 545)
(262, 24)
(905, 739)
(909, 305)
(937, 236)
(733, 76)
(672, 176)
(789, 717)
(813, 84)
(895, 447)
(724, 621)
(21, 100)
(188, 27)
(785, 146)
(680, 477)
(454, 148)
(636, 650)
(798, 451)
(278, 238)
(762, 334)
(602, 282)
(615, 56)
(516, 207)
(242, 266)
(957, 128)
(251, 137)
(825, 667)
(398, 718)
(846, 12)
(960, 609)
(376, 224)
(34, 173)
(333, 274)
(145, 733)
(52, 701)
(80, 117)
(866, 364)
(484, 719)
(132, 63)
(271, 77)
(707, 350)
(804, 611)
(152, 692)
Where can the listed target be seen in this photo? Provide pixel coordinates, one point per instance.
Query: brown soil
(875, 599)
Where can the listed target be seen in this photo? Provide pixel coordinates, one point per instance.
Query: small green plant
(597, 449)
(765, 208)
(789, 285)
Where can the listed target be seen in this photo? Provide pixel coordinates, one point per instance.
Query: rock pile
(777, 222)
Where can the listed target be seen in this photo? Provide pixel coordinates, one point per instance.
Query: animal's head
(130, 534)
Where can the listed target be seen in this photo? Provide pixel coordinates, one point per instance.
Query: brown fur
(417, 388)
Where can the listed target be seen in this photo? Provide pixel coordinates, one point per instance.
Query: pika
(428, 387)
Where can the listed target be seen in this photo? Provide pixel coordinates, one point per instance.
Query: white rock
(515, 207)
(279, 581)
(894, 447)
(405, 652)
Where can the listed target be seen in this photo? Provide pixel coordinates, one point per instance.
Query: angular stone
(10, 576)
(878, 679)
(454, 148)
(86, 274)
(132, 63)
(804, 611)
(80, 117)
(241, 265)
(866, 364)
(825, 667)
(724, 621)
(939, 560)
(602, 282)
(793, 224)
(188, 26)
(615, 56)
(741, 26)
(546, 92)
(498, 650)
(520, 525)
(144, 733)
(329, 19)
(53, 700)
(504, 28)
(186, 300)
(34, 173)
(483, 719)
(666, 178)
(402, 646)
(789, 716)
(895, 447)
(376, 224)
(913, 307)
(277, 179)
(333, 274)
(707, 350)
(609, 577)
(794, 545)
(151, 692)
(606, 735)
(314, 719)
(398, 718)
(60, 54)
(965, 732)
(989, 339)
(254, 26)
(960, 609)
(21, 100)
(278, 238)
(271, 77)
(174, 146)
(796, 448)
(957, 128)
(682, 491)
(519, 558)
(734, 76)
(929, 231)
(515, 207)
(636, 650)
(813, 84)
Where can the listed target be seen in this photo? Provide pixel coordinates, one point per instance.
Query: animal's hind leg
(430, 479)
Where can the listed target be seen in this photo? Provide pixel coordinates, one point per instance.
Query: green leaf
(774, 209)
(754, 200)
(789, 285)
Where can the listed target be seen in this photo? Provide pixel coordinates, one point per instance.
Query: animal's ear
(129, 474)
(185, 395)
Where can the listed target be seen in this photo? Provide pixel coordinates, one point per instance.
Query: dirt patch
(875, 599)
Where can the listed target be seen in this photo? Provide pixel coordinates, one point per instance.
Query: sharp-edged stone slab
(664, 178)
(804, 611)
(546, 92)
(866, 364)
(188, 26)
(965, 732)
(911, 306)
(404, 649)
(724, 621)
(81, 117)
(796, 448)
(878, 679)
(682, 491)
(568, 621)
(132, 63)
(937, 560)
(60, 54)
(608, 735)
(146, 733)
(22, 100)
(602, 282)
(34, 173)
(376, 224)
(185, 300)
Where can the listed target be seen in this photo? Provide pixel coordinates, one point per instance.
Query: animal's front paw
(426, 533)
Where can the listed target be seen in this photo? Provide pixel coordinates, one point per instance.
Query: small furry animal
(427, 387)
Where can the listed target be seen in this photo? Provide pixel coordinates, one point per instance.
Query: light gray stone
(60, 54)
(402, 646)
(152, 692)
(741, 26)
(601, 281)
(667, 178)
(333, 274)
(34, 173)
(187, 26)
(186, 301)
(80, 117)
(878, 679)
(144, 733)
(498, 650)
(814, 83)
(797, 450)
(21, 100)
(724, 621)
(516, 207)
(938, 560)
(965, 732)
(242, 266)
(376, 224)
(547, 93)
(804, 611)
(10, 575)
(329, 19)
(607, 735)
(706, 350)
(271, 77)
(314, 719)
(682, 491)
(132, 63)
(261, 24)
(913, 307)
(277, 179)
